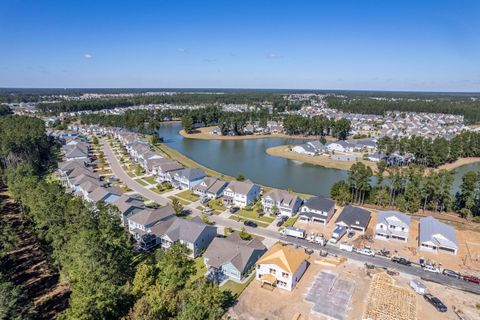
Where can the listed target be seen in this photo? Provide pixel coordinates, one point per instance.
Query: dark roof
(353, 216)
(320, 204)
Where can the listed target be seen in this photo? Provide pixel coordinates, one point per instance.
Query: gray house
(210, 187)
(436, 236)
(188, 178)
(128, 206)
(232, 257)
(317, 209)
(392, 225)
(354, 218)
(195, 234)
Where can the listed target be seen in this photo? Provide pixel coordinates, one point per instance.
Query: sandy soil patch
(458, 163)
(320, 160)
(206, 134)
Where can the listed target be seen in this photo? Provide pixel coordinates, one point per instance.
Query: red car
(472, 279)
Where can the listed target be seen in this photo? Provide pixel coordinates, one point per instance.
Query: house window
(273, 271)
(381, 226)
(285, 275)
(258, 267)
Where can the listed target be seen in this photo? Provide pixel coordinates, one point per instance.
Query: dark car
(350, 234)
(249, 223)
(234, 209)
(401, 260)
(472, 279)
(452, 273)
(280, 222)
(435, 302)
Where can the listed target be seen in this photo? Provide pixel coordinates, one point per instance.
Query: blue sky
(378, 45)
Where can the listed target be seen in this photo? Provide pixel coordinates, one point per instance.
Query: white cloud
(181, 50)
(273, 56)
(88, 56)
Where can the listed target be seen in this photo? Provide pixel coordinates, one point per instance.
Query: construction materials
(386, 301)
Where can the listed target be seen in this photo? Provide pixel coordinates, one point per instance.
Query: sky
(324, 44)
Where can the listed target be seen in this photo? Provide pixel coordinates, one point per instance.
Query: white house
(282, 266)
(392, 225)
(436, 236)
(286, 202)
(240, 193)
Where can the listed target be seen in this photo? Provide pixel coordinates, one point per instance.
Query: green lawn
(217, 205)
(150, 179)
(143, 183)
(251, 214)
(236, 288)
(125, 189)
(240, 219)
(290, 222)
(131, 174)
(188, 195)
(180, 200)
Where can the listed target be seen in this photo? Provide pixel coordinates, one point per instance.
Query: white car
(431, 268)
(366, 252)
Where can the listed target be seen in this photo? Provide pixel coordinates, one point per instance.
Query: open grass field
(188, 195)
(252, 214)
(241, 219)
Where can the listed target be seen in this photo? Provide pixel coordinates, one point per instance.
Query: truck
(294, 232)
(346, 246)
(316, 238)
(337, 234)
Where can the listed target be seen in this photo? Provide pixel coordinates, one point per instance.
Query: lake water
(248, 157)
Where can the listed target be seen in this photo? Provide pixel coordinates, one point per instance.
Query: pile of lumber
(331, 261)
(386, 301)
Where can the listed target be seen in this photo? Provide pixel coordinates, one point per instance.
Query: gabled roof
(241, 187)
(394, 218)
(124, 203)
(191, 173)
(168, 166)
(282, 196)
(354, 216)
(89, 185)
(76, 153)
(284, 256)
(232, 249)
(101, 193)
(438, 232)
(186, 230)
(319, 203)
(149, 216)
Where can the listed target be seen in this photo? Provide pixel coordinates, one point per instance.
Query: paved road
(125, 178)
(266, 233)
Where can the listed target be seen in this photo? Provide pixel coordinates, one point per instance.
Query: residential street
(223, 221)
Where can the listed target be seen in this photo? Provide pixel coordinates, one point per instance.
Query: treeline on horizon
(468, 108)
(88, 246)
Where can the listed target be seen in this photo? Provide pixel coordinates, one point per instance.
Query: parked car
(430, 268)
(472, 279)
(401, 260)
(233, 209)
(208, 211)
(452, 273)
(435, 302)
(350, 234)
(249, 223)
(366, 252)
(204, 199)
(280, 222)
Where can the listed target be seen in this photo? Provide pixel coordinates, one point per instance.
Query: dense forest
(4, 110)
(409, 189)
(468, 108)
(90, 248)
(434, 152)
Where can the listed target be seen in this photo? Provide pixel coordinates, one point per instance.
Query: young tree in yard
(245, 235)
(177, 206)
(240, 177)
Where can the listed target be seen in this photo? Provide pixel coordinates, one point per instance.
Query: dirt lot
(467, 259)
(260, 303)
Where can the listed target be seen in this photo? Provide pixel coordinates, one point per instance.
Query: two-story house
(282, 266)
(240, 193)
(165, 171)
(195, 234)
(128, 206)
(392, 225)
(210, 187)
(187, 178)
(354, 218)
(436, 236)
(317, 209)
(286, 203)
(232, 257)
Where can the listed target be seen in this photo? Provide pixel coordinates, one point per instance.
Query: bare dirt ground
(260, 303)
(458, 163)
(206, 134)
(29, 265)
(467, 259)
